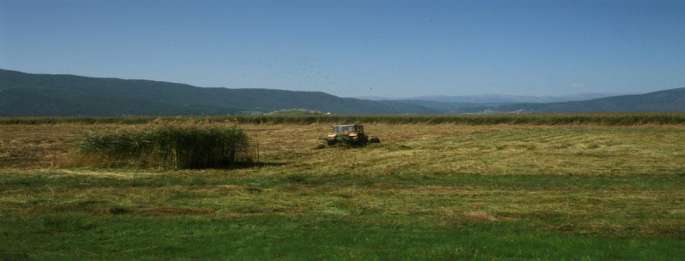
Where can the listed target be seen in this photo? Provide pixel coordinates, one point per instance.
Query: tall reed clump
(185, 147)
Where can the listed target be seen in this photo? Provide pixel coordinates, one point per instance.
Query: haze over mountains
(24, 94)
(497, 98)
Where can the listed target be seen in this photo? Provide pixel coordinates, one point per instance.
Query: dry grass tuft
(479, 216)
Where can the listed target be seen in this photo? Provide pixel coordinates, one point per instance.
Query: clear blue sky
(357, 48)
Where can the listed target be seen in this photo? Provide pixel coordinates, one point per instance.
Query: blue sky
(357, 48)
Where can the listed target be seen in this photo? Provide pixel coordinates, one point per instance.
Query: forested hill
(24, 94)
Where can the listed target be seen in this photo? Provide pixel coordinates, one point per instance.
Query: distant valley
(499, 99)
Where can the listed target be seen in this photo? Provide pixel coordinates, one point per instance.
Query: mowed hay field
(428, 191)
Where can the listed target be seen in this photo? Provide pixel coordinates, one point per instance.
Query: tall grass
(185, 147)
(618, 119)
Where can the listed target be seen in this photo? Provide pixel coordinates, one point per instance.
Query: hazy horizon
(602, 94)
(357, 48)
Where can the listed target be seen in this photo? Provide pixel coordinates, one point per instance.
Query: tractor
(350, 134)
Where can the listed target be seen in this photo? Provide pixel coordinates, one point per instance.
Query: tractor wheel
(374, 140)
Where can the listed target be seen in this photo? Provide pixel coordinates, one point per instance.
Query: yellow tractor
(350, 134)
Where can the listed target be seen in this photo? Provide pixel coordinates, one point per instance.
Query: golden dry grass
(584, 179)
(487, 149)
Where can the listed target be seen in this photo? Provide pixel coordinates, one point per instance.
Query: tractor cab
(348, 129)
(350, 134)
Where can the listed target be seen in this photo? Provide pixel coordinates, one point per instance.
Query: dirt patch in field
(479, 216)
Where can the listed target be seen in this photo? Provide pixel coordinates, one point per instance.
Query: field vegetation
(167, 146)
(593, 191)
(296, 117)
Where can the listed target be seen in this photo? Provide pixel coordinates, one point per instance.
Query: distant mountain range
(498, 99)
(672, 100)
(24, 94)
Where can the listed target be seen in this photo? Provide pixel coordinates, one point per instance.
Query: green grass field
(428, 191)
